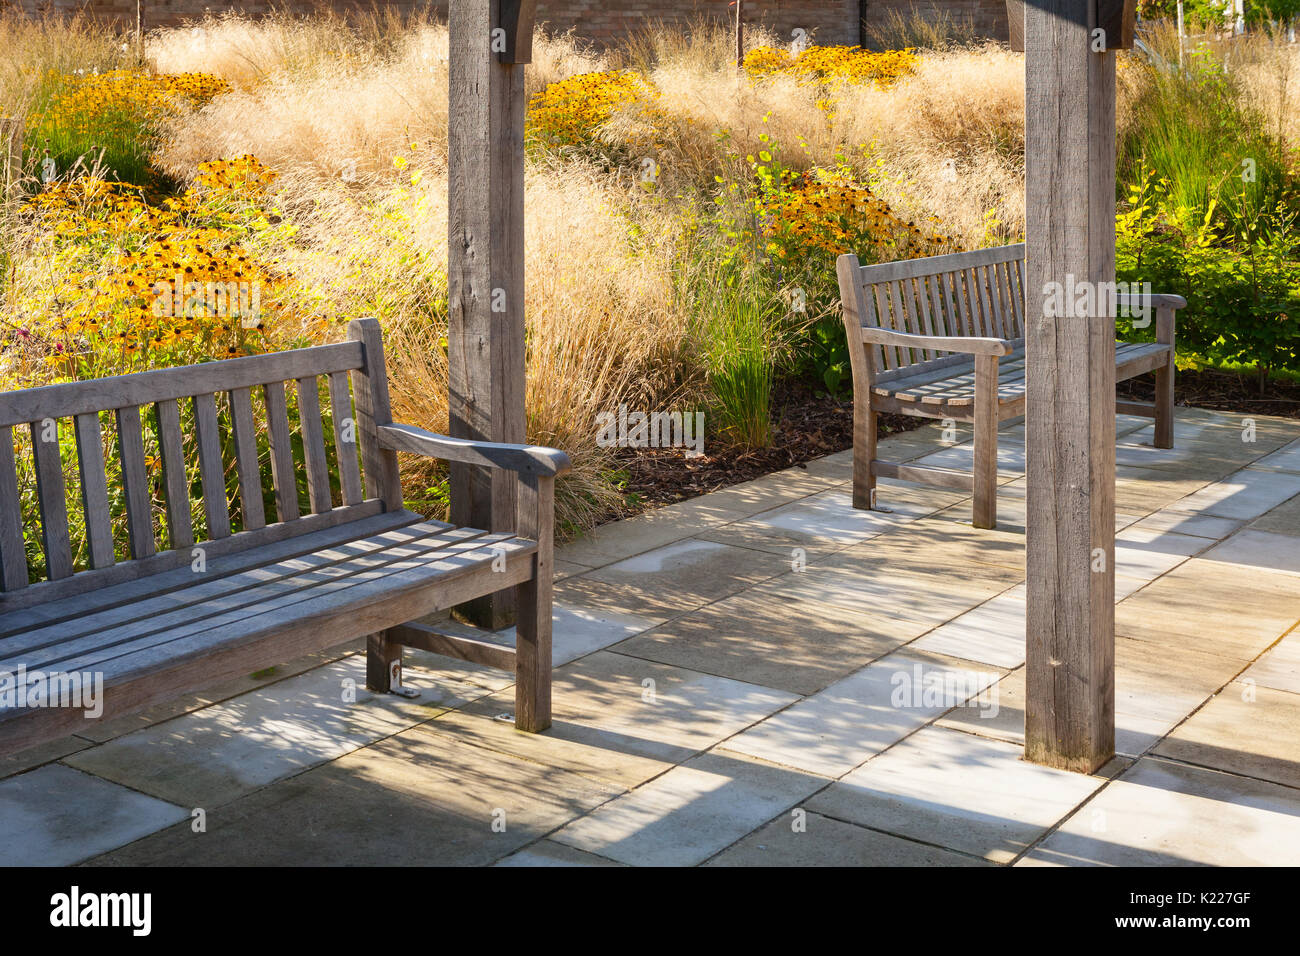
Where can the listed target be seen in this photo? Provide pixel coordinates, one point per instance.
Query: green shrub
(1242, 288)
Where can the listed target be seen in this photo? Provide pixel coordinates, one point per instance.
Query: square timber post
(490, 41)
(1070, 410)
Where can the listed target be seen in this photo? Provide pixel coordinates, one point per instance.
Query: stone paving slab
(1180, 522)
(41, 754)
(618, 718)
(1217, 608)
(1286, 458)
(772, 636)
(825, 841)
(101, 731)
(1011, 458)
(1264, 550)
(1284, 519)
(57, 816)
(690, 813)
(816, 525)
(931, 545)
(654, 529)
(550, 853)
(855, 718)
(575, 630)
(1144, 554)
(211, 756)
(1279, 667)
(1161, 813)
(671, 580)
(414, 799)
(1245, 494)
(1246, 730)
(993, 633)
(961, 792)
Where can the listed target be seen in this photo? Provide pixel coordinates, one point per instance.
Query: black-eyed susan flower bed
(131, 285)
(849, 64)
(109, 119)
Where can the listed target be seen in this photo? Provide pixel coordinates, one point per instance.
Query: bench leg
(536, 503)
(986, 442)
(1164, 427)
(864, 453)
(383, 663)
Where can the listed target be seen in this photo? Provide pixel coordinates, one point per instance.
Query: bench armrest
(973, 345)
(524, 459)
(1167, 306)
(1158, 299)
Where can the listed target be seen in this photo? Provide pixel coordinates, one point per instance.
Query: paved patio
(766, 676)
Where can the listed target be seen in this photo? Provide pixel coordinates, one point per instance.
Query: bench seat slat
(221, 582)
(92, 582)
(339, 595)
(956, 385)
(224, 558)
(188, 609)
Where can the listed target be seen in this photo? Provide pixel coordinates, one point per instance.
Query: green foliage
(1242, 286)
(1194, 132)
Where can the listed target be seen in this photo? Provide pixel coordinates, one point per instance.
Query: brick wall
(830, 21)
(988, 17)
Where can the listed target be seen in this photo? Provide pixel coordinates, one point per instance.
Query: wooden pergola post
(490, 41)
(1070, 411)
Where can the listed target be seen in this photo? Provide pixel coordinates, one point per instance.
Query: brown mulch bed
(1223, 392)
(807, 427)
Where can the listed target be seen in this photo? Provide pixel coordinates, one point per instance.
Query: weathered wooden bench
(944, 337)
(154, 623)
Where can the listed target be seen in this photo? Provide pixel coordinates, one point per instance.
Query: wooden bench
(155, 623)
(944, 337)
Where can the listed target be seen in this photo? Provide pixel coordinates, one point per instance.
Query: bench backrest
(176, 443)
(978, 293)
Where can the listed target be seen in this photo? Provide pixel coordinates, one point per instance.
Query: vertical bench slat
(870, 319)
(313, 446)
(50, 493)
(909, 315)
(94, 489)
(247, 464)
(283, 475)
(1008, 286)
(1001, 295)
(345, 438)
(917, 287)
(211, 469)
(992, 305)
(13, 553)
(1016, 279)
(956, 304)
(899, 323)
(135, 481)
(370, 390)
(940, 309)
(180, 527)
(978, 306)
(880, 309)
